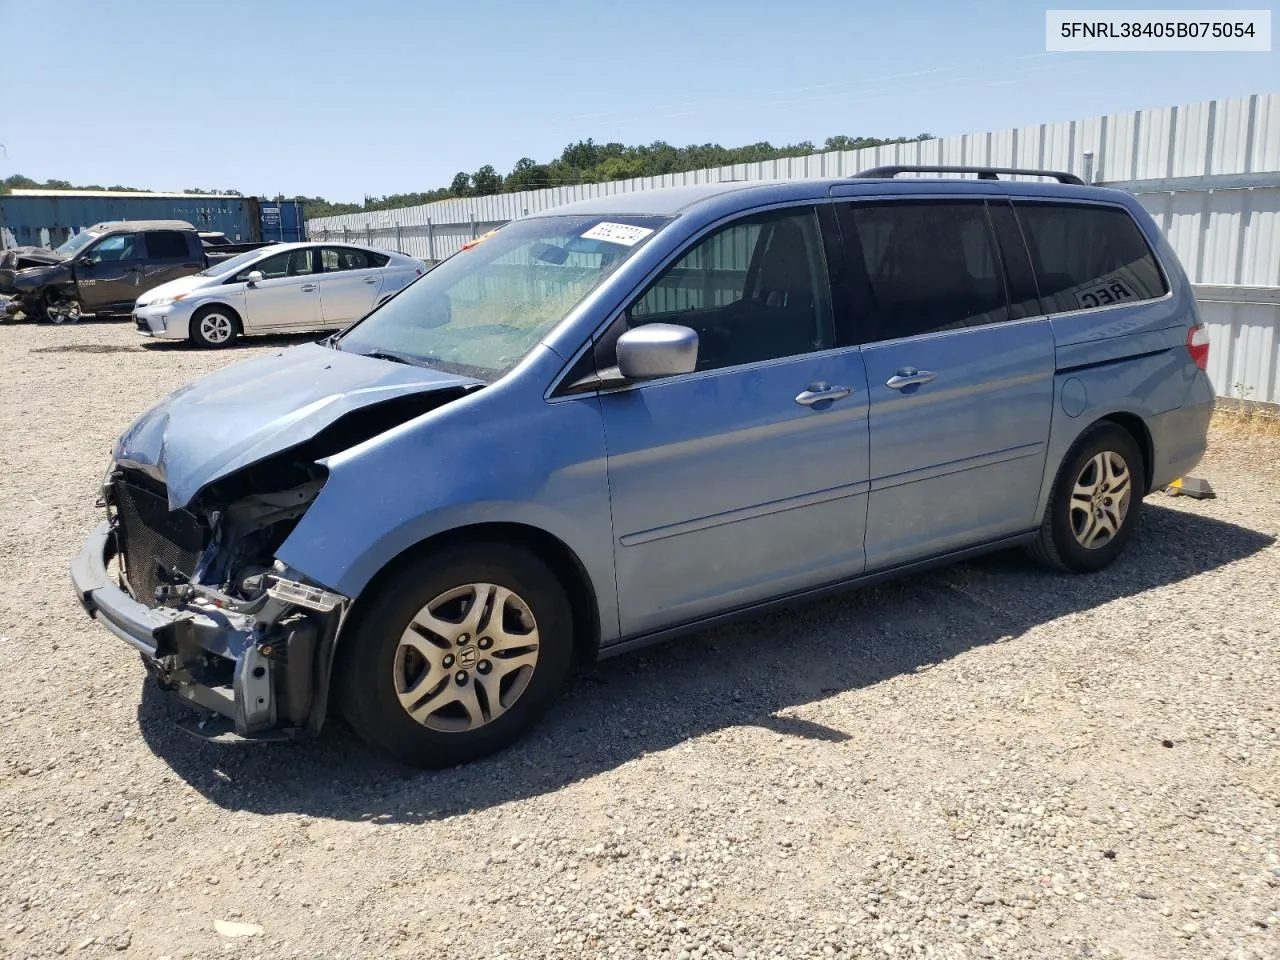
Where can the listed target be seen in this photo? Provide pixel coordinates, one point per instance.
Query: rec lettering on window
(1111, 290)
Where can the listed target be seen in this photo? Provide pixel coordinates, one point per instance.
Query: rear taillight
(1198, 345)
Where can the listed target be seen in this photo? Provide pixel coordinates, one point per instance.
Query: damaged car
(638, 415)
(103, 269)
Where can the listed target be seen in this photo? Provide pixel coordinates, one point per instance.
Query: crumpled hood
(33, 278)
(240, 415)
(18, 258)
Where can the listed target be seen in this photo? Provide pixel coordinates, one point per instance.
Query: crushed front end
(198, 593)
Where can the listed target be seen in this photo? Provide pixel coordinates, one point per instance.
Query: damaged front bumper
(261, 668)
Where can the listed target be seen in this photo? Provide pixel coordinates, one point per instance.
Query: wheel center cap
(467, 657)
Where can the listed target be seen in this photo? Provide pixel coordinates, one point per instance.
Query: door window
(167, 245)
(1088, 256)
(343, 258)
(920, 268)
(295, 263)
(755, 290)
(120, 246)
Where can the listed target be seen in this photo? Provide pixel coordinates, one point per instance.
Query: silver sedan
(284, 288)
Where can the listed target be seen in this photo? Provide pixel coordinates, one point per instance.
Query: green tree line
(582, 162)
(19, 182)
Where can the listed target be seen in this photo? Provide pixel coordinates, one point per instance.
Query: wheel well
(551, 550)
(1137, 429)
(225, 308)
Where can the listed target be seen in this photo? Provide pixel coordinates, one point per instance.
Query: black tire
(368, 669)
(1058, 544)
(196, 336)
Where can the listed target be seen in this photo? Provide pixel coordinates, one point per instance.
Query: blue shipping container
(46, 218)
(282, 220)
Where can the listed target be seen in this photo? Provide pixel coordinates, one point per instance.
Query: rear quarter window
(1086, 256)
(167, 245)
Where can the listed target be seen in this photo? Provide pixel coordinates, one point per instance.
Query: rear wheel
(457, 655)
(214, 327)
(1094, 505)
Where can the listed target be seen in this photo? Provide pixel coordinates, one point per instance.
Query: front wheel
(1094, 505)
(457, 655)
(62, 311)
(214, 327)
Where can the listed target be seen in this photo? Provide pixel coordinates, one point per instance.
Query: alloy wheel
(466, 657)
(63, 312)
(216, 327)
(1100, 500)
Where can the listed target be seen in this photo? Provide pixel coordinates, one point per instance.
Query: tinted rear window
(1088, 256)
(166, 245)
(928, 266)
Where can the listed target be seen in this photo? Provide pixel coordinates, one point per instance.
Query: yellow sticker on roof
(623, 233)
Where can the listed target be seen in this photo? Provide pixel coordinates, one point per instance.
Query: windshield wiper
(395, 357)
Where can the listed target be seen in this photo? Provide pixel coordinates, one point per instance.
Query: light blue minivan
(635, 416)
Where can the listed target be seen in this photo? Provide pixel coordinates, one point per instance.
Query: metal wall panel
(1241, 135)
(1222, 236)
(1243, 346)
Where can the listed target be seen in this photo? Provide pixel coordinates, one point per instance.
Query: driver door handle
(370, 279)
(307, 287)
(910, 377)
(822, 392)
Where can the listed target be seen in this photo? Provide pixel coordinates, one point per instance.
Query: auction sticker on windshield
(623, 233)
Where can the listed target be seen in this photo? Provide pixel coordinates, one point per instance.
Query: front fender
(38, 278)
(501, 455)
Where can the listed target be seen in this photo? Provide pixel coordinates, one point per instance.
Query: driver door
(746, 479)
(109, 274)
(288, 296)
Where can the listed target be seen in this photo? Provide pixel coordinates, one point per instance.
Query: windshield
(480, 311)
(74, 245)
(232, 264)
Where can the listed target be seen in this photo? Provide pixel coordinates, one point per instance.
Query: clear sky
(344, 99)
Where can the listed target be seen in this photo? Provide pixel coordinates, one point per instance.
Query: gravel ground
(987, 761)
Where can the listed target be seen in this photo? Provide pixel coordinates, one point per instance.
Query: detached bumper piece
(254, 671)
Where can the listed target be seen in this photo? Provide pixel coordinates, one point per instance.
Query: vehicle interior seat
(778, 317)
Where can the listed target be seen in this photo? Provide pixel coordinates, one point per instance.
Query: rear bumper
(1180, 437)
(211, 658)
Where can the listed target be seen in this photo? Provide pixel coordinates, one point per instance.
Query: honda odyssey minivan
(629, 417)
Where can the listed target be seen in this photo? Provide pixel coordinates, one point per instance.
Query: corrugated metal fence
(1209, 173)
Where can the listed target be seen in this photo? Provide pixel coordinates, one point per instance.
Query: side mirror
(255, 276)
(657, 350)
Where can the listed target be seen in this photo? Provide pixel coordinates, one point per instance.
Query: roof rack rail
(984, 173)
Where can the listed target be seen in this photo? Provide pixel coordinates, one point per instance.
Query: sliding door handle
(910, 377)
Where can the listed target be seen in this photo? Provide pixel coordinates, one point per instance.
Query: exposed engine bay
(246, 636)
